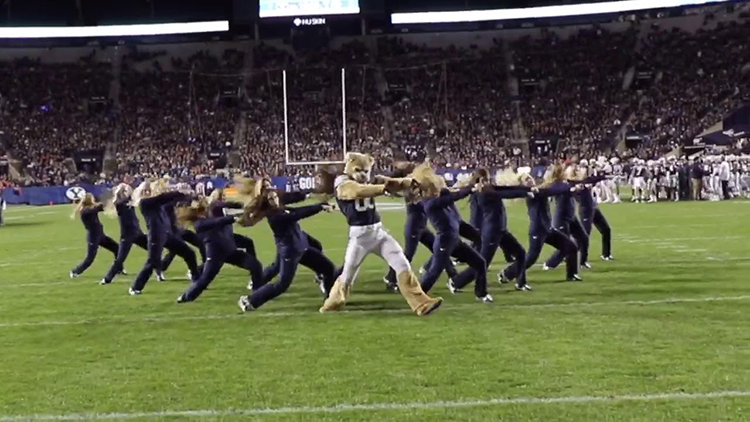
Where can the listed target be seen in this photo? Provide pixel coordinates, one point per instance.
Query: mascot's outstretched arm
(350, 189)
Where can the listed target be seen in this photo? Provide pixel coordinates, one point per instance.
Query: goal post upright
(286, 120)
(343, 109)
(287, 160)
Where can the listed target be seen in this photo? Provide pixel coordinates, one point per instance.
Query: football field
(661, 333)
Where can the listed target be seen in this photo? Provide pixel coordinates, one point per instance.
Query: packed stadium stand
(461, 100)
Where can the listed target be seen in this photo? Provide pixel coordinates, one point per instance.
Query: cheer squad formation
(176, 217)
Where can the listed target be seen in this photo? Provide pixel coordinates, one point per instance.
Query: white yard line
(167, 317)
(375, 407)
(637, 239)
(304, 272)
(668, 226)
(37, 253)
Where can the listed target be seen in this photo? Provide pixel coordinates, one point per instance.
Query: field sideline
(659, 334)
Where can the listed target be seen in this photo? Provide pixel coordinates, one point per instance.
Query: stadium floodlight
(112, 30)
(343, 126)
(542, 12)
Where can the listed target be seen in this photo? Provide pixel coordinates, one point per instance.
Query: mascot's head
(429, 182)
(358, 166)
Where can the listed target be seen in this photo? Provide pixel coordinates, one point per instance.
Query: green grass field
(659, 334)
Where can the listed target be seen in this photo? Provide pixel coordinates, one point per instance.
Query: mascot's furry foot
(337, 298)
(417, 299)
(429, 306)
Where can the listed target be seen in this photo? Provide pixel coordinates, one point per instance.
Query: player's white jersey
(200, 188)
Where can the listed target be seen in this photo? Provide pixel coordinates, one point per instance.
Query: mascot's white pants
(364, 240)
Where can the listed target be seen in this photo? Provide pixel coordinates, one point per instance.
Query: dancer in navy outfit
(218, 236)
(591, 215)
(151, 199)
(130, 230)
(415, 229)
(89, 211)
(567, 223)
(183, 233)
(288, 198)
(439, 205)
(477, 215)
(495, 233)
(217, 206)
(540, 226)
(292, 247)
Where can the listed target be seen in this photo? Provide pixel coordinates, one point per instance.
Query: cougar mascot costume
(355, 197)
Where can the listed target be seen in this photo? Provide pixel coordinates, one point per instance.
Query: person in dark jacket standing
(130, 230)
(89, 211)
(151, 200)
(696, 175)
(292, 248)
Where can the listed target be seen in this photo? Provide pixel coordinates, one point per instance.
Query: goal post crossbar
(312, 163)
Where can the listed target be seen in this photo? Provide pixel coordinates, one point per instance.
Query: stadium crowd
(404, 101)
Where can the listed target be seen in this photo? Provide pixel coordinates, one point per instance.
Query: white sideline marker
(374, 407)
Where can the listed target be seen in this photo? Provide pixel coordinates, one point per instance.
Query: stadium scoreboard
(299, 8)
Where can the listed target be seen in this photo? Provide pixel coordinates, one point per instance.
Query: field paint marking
(173, 317)
(36, 253)
(374, 407)
(659, 226)
(636, 239)
(124, 280)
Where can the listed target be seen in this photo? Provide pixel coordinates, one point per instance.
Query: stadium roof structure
(31, 32)
(582, 9)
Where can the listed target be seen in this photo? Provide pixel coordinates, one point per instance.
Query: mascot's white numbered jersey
(358, 212)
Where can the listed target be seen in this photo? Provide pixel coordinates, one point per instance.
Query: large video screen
(280, 8)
